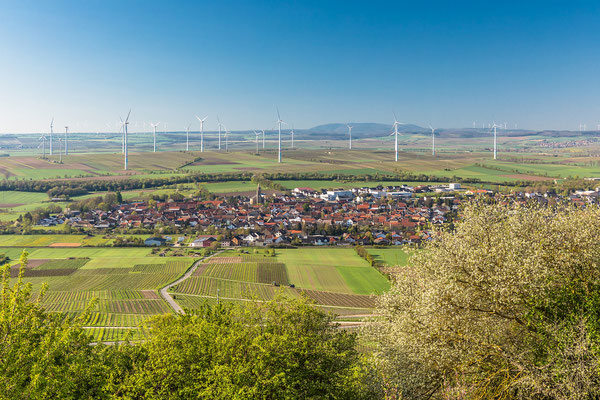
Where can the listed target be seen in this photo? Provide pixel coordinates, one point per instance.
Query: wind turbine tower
(66, 140)
(187, 138)
(292, 133)
(432, 140)
(495, 140)
(349, 136)
(201, 120)
(43, 144)
(125, 144)
(396, 123)
(279, 122)
(51, 134)
(226, 140)
(220, 125)
(256, 135)
(154, 135)
(263, 138)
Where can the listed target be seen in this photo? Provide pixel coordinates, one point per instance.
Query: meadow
(391, 256)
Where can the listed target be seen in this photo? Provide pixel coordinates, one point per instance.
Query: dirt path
(164, 292)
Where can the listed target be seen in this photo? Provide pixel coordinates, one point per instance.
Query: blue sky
(448, 63)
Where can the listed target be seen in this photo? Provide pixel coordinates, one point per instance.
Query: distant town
(384, 215)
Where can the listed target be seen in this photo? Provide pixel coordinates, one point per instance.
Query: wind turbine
(201, 120)
(349, 136)
(60, 149)
(43, 144)
(51, 133)
(187, 138)
(292, 133)
(432, 140)
(279, 122)
(263, 138)
(154, 136)
(66, 140)
(226, 140)
(256, 135)
(220, 125)
(125, 145)
(495, 140)
(395, 134)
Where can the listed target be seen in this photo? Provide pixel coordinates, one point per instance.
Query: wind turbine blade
(278, 116)
(128, 114)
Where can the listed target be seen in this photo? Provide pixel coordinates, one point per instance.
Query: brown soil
(150, 294)
(30, 264)
(65, 245)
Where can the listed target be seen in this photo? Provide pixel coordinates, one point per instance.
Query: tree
(280, 349)
(506, 306)
(42, 355)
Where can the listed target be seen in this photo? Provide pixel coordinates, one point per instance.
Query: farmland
(336, 279)
(123, 282)
(120, 284)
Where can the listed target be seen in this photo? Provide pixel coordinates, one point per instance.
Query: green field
(391, 256)
(47, 240)
(332, 269)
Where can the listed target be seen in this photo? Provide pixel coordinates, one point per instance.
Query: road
(164, 292)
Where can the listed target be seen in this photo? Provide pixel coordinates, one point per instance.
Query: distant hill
(359, 130)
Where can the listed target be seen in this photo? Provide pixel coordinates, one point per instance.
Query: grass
(46, 240)
(331, 269)
(391, 256)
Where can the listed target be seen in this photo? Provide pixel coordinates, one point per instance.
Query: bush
(506, 306)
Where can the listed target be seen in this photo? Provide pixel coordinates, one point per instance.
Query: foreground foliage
(506, 306)
(279, 349)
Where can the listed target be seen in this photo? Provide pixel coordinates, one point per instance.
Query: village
(392, 215)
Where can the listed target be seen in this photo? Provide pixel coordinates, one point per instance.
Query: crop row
(272, 272)
(246, 272)
(339, 299)
(196, 302)
(75, 295)
(111, 319)
(171, 267)
(224, 260)
(38, 273)
(134, 306)
(257, 258)
(264, 272)
(75, 263)
(139, 306)
(113, 281)
(114, 334)
(203, 285)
